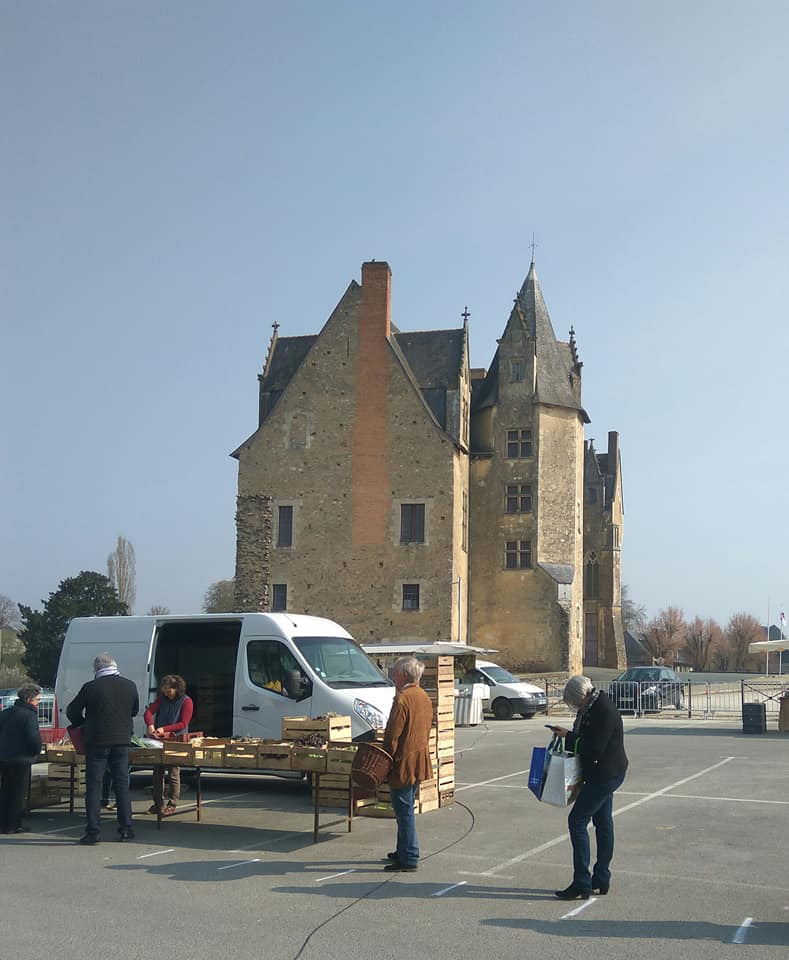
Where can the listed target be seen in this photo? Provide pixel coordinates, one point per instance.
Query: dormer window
(517, 370)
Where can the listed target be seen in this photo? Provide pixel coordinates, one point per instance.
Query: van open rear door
(127, 639)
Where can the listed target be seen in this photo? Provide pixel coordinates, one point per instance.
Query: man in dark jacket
(104, 707)
(598, 738)
(20, 745)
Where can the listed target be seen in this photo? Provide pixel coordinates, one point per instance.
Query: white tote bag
(563, 779)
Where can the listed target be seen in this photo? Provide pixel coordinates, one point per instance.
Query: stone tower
(527, 460)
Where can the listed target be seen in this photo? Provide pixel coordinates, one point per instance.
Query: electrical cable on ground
(378, 886)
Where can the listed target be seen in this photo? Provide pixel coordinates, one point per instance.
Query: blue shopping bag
(539, 764)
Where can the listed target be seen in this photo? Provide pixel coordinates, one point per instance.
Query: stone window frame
(411, 596)
(293, 506)
(517, 555)
(517, 369)
(274, 607)
(517, 499)
(398, 505)
(519, 443)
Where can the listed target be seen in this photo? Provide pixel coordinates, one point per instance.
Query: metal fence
(699, 699)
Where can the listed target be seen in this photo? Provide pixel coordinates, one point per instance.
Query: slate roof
(285, 360)
(554, 359)
(434, 356)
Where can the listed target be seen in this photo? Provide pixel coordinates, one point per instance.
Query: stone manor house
(392, 488)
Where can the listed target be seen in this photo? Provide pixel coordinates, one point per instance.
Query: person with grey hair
(598, 736)
(407, 741)
(20, 745)
(105, 707)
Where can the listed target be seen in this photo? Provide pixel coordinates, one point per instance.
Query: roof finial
(533, 246)
(465, 314)
(271, 346)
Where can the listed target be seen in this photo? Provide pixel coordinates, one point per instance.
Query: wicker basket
(371, 766)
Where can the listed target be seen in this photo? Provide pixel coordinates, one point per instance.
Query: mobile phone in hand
(551, 727)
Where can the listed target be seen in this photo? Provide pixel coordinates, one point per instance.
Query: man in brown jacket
(406, 739)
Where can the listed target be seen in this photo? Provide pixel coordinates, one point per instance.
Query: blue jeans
(403, 806)
(97, 760)
(594, 802)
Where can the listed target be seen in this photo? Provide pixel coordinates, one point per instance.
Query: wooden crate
(308, 758)
(275, 755)
(59, 775)
(209, 755)
(43, 793)
(145, 756)
(334, 790)
(243, 755)
(62, 755)
(330, 728)
(339, 759)
(177, 754)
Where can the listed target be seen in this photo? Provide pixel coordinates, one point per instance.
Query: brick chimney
(370, 451)
(375, 319)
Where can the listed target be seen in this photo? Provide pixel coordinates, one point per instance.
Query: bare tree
(702, 639)
(634, 615)
(220, 597)
(122, 572)
(741, 630)
(158, 610)
(665, 634)
(9, 613)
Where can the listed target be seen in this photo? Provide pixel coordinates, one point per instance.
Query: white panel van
(244, 672)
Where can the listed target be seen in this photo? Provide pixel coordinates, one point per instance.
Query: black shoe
(89, 840)
(125, 835)
(19, 830)
(600, 888)
(396, 867)
(572, 893)
(392, 856)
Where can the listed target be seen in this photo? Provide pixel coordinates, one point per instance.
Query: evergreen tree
(89, 594)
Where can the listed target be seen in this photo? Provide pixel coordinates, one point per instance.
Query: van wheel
(502, 709)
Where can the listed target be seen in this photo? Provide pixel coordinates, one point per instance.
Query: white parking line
(484, 783)
(333, 875)
(574, 913)
(739, 936)
(630, 806)
(157, 853)
(440, 893)
(243, 863)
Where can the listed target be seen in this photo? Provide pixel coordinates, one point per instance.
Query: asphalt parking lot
(699, 871)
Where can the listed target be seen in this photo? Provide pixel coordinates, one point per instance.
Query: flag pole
(767, 651)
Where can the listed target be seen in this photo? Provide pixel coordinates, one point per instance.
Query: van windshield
(340, 663)
(499, 674)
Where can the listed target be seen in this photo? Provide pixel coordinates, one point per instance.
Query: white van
(244, 671)
(507, 695)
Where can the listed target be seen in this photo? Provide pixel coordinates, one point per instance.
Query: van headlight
(370, 714)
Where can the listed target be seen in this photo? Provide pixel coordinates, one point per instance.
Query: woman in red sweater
(169, 713)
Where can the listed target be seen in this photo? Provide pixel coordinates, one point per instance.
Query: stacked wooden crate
(322, 745)
(61, 760)
(438, 681)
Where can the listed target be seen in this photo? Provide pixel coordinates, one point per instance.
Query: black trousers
(13, 783)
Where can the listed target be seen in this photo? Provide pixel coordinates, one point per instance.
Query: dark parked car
(642, 689)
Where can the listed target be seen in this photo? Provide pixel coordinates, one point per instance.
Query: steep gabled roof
(556, 361)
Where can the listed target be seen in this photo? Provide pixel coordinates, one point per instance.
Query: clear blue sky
(177, 176)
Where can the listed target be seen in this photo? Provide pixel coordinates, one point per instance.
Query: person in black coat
(598, 736)
(104, 707)
(20, 746)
